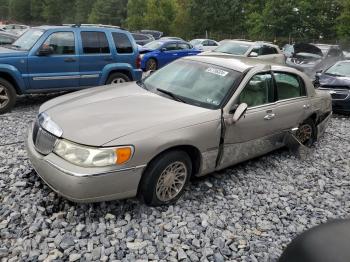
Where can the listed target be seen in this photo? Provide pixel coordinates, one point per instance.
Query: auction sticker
(216, 71)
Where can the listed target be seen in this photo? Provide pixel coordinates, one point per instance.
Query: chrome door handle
(269, 116)
(306, 106)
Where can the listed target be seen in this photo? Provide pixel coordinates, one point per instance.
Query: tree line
(255, 19)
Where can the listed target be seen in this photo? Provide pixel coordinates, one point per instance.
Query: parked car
(142, 39)
(164, 38)
(15, 29)
(346, 55)
(154, 33)
(204, 44)
(7, 38)
(63, 58)
(195, 116)
(260, 50)
(336, 80)
(159, 53)
(310, 58)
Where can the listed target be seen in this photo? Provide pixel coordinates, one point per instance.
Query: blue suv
(62, 58)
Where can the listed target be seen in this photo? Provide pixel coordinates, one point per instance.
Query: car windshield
(153, 45)
(192, 82)
(233, 48)
(340, 69)
(28, 39)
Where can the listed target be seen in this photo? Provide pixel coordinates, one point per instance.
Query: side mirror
(45, 50)
(241, 109)
(163, 49)
(253, 54)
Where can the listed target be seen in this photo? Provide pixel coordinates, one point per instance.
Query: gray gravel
(245, 213)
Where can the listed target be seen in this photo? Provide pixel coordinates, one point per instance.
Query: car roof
(249, 42)
(94, 27)
(240, 64)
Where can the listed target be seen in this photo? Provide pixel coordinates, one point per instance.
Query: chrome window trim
(42, 78)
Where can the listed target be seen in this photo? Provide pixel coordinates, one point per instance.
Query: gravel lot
(245, 213)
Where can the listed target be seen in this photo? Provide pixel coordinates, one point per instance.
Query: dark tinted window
(184, 46)
(268, 50)
(122, 43)
(62, 43)
(94, 42)
(171, 47)
(289, 86)
(334, 52)
(212, 43)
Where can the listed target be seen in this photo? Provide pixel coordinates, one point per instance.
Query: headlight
(93, 157)
(49, 125)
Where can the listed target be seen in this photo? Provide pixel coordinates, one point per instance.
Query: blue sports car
(158, 53)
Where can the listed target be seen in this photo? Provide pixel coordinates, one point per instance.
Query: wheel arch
(123, 71)
(8, 77)
(192, 151)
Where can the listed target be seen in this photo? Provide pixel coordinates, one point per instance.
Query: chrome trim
(89, 76)
(96, 174)
(40, 78)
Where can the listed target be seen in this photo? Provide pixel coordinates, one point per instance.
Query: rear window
(94, 43)
(122, 43)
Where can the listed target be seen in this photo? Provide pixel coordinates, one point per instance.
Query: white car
(204, 44)
(16, 29)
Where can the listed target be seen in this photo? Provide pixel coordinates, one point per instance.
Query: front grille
(339, 96)
(44, 141)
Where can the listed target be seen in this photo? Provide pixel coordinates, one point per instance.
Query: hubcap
(152, 65)
(118, 80)
(171, 181)
(4, 98)
(304, 133)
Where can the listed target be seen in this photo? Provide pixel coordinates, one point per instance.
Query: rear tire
(151, 64)
(8, 96)
(307, 133)
(117, 78)
(165, 178)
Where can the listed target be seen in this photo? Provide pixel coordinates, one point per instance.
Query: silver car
(265, 51)
(196, 115)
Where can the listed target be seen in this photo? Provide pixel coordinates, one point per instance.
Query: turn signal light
(123, 155)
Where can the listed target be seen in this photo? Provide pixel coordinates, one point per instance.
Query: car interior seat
(255, 93)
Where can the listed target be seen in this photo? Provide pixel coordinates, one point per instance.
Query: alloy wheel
(171, 181)
(304, 133)
(152, 65)
(4, 97)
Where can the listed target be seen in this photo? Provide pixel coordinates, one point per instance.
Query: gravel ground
(245, 213)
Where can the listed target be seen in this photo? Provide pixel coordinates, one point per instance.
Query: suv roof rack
(96, 25)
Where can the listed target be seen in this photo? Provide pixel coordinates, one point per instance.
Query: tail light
(138, 62)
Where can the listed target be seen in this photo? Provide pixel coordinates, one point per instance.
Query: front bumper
(80, 184)
(137, 74)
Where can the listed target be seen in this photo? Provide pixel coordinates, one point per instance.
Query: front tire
(117, 78)
(307, 133)
(8, 96)
(165, 179)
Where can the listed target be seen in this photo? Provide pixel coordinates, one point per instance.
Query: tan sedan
(194, 116)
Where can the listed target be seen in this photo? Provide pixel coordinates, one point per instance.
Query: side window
(171, 47)
(94, 43)
(268, 50)
(334, 52)
(62, 43)
(5, 40)
(289, 86)
(205, 43)
(256, 49)
(258, 91)
(183, 46)
(122, 43)
(212, 43)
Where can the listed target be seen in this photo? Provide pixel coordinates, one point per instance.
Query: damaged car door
(252, 135)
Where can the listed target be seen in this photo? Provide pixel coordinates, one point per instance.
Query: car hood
(307, 48)
(330, 81)
(102, 114)
(6, 52)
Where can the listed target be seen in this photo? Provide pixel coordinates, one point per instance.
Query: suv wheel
(165, 178)
(117, 78)
(7, 96)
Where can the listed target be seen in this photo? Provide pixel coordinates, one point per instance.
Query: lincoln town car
(194, 116)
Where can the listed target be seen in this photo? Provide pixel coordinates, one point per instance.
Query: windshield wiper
(332, 74)
(12, 46)
(172, 95)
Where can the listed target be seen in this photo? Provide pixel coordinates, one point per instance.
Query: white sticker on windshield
(216, 71)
